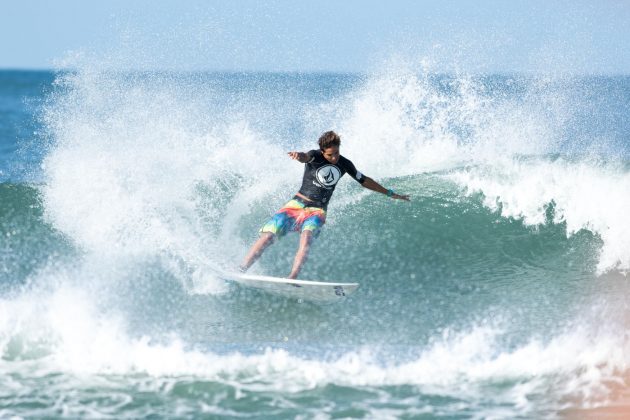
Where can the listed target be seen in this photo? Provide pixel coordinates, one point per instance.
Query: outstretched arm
(299, 156)
(370, 184)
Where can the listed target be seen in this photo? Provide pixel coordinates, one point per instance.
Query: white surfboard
(316, 291)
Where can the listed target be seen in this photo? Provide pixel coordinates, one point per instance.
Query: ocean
(499, 291)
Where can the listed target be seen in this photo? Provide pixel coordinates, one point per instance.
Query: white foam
(576, 368)
(137, 167)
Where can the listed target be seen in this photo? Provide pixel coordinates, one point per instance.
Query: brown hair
(329, 139)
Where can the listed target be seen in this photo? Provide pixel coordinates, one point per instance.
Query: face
(331, 154)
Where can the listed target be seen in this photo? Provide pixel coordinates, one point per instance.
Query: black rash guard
(321, 177)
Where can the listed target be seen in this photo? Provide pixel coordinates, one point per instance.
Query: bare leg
(300, 258)
(256, 250)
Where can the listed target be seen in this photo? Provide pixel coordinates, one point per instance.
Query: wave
(580, 195)
(452, 221)
(498, 286)
(160, 163)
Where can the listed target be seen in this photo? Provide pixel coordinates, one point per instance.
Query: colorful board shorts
(297, 217)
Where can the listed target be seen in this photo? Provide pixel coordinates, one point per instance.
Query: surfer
(306, 211)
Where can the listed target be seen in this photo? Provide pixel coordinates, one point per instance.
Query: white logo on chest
(328, 175)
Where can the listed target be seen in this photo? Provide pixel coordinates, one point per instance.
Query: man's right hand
(299, 156)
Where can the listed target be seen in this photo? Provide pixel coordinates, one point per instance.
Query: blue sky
(348, 36)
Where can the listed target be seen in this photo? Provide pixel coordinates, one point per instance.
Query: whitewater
(497, 292)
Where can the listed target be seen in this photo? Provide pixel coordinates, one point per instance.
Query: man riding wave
(306, 211)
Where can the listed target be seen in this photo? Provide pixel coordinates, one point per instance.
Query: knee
(269, 238)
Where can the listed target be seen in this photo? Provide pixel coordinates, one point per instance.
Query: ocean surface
(500, 291)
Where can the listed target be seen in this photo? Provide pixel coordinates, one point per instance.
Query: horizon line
(514, 73)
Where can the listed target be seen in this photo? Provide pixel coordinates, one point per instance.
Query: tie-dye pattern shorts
(295, 216)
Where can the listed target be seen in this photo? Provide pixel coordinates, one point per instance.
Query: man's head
(329, 145)
(329, 139)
